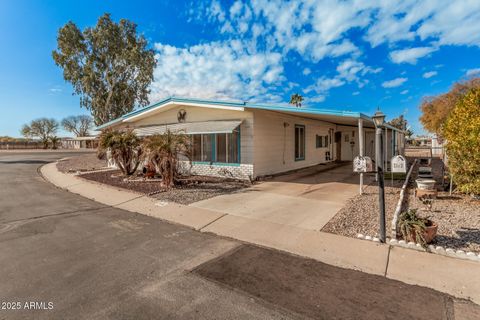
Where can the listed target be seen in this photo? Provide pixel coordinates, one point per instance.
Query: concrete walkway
(453, 276)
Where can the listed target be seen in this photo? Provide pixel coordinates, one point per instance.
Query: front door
(338, 146)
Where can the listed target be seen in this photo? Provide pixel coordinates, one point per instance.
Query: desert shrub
(462, 133)
(412, 227)
(54, 141)
(124, 147)
(165, 151)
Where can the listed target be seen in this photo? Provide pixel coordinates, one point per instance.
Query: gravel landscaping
(85, 162)
(192, 189)
(360, 214)
(457, 216)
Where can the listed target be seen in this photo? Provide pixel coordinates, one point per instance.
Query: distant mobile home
(246, 140)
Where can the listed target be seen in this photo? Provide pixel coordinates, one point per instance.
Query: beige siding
(195, 114)
(274, 144)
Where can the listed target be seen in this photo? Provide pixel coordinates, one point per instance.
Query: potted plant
(415, 228)
(425, 184)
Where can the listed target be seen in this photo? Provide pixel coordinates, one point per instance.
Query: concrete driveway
(306, 199)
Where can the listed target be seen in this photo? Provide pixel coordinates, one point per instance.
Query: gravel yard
(85, 162)
(360, 214)
(193, 189)
(457, 216)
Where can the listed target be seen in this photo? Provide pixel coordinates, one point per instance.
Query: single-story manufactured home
(248, 140)
(89, 142)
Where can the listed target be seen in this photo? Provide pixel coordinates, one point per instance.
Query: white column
(385, 150)
(360, 149)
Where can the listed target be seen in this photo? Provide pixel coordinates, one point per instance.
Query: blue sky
(345, 55)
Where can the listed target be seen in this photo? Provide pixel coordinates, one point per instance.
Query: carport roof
(333, 116)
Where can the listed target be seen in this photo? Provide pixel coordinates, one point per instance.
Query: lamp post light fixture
(379, 121)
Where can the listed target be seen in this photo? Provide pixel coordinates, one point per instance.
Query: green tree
(462, 134)
(78, 125)
(108, 65)
(42, 128)
(296, 100)
(165, 151)
(123, 147)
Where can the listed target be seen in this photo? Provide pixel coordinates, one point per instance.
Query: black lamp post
(379, 120)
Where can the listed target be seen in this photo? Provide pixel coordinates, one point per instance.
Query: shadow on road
(322, 291)
(25, 162)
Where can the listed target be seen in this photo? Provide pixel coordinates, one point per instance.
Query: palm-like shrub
(124, 147)
(54, 141)
(165, 151)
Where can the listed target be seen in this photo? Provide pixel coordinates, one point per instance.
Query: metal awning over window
(221, 126)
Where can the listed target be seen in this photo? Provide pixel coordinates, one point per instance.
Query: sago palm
(165, 151)
(124, 147)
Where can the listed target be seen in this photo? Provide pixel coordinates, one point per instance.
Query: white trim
(211, 106)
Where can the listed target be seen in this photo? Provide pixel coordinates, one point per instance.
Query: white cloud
(318, 29)
(323, 85)
(216, 70)
(355, 93)
(318, 98)
(404, 92)
(410, 55)
(394, 83)
(472, 72)
(348, 71)
(430, 74)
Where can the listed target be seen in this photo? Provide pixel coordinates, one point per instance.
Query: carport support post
(360, 149)
(381, 186)
(385, 150)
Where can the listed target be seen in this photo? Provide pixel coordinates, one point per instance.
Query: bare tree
(78, 125)
(42, 128)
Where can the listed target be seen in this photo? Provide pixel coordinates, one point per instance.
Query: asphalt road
(66, 257)
(95, 262)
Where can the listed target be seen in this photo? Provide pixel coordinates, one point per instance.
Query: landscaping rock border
(449, 252)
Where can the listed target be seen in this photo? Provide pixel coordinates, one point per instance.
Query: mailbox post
(378, 120)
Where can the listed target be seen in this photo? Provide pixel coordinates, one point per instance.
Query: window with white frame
(299, 142)
(321, 141)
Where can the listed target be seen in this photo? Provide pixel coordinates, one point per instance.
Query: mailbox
(399, 164)
(362, 164)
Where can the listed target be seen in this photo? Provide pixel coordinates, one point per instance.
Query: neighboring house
(420, 141)
(247, 141)
(437, 146)
(90, 142)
